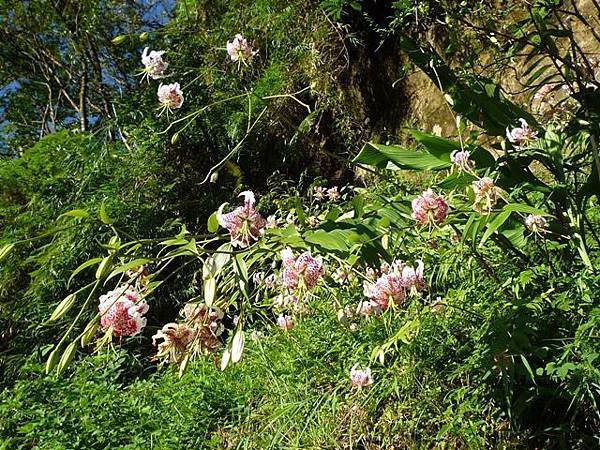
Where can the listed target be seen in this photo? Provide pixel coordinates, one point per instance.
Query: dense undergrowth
(442, 293)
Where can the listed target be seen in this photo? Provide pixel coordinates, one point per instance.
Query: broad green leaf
(457, 180)
(516, 236)
(379, 155)
(63, 307)
(176, 241)
(241, 270)
(442, 148)
(437, 146)
(331, 240)
(358, 203)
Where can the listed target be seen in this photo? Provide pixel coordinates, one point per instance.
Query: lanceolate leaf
(103, 214)
(496, 223)
(76, 213)
(89, 263)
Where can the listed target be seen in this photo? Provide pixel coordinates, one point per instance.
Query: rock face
(425, 104)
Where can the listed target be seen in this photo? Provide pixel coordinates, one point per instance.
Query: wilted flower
(313, 222)
(437, 306)
(370, 274)
(121, 311)
(245, 224)
(343, 276)
(271, 281)
(429, 208)
(205, 321)
(305, 271)
(385, 267)
(239, 49)
(256, 335)
(486, 195)
(285, 301)
(462, 160)
(320, 192)
(361, 377)
(535, 223)
(138, 271)
(333, 194)
(170, 96)
(176, 338)
(412, 278)
(258, 278)
(521, 135)
(154, 63)
(285, 322)
(345, 314)
(200, 314)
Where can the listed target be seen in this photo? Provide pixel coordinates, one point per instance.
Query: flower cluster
(486, 195)
(462, 160)
(170, 96)
(269, 281)
(122, 310)
(239, 49)
(392, 286)
(154, 64)
(332, 193)
(198, 334)
(303, 272)
(522, 135)
(429, 208)
(245, 224)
